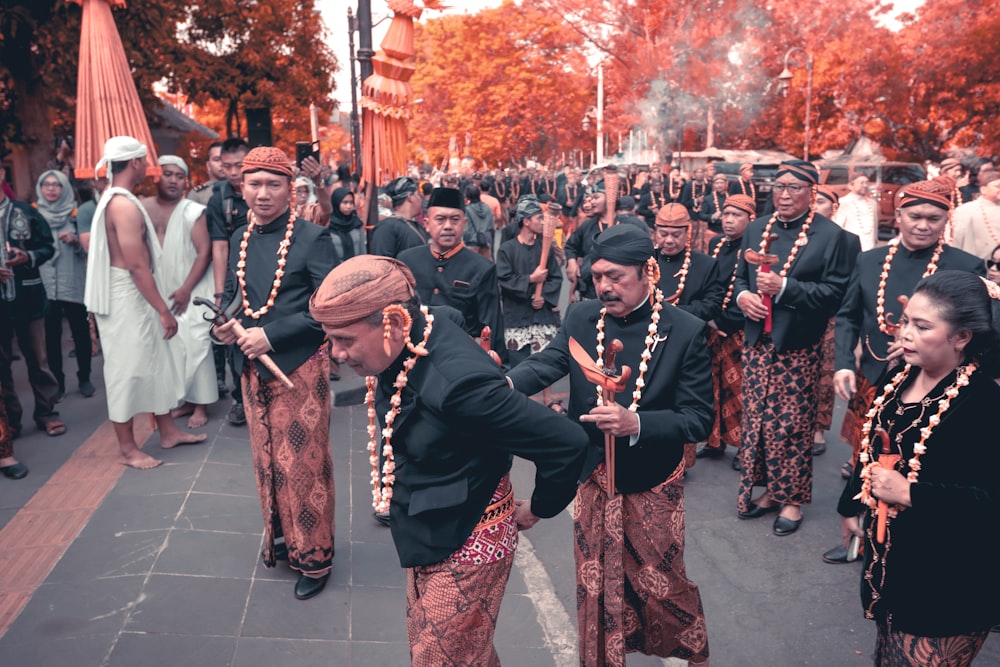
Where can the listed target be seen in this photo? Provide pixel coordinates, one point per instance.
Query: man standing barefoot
(122, 293)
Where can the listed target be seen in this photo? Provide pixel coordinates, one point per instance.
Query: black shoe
(334, 376)
(838, 555)
(87, 388)
(223, 389)
(307, 587)
(783, 526)
(707, 452)
(381, 518)
(15, 471)
(819, 448)
(757, 511)
(736, 462)
(281, 551)
(237, 417)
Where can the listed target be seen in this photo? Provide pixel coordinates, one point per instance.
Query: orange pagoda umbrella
(107, 103)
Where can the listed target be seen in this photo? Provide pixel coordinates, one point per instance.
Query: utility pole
(355, 121)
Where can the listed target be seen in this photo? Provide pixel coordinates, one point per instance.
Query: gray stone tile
(253, 652)
(231, 450)
(77, 609)
(211, 554)
(376, 565)
(274, 612)
(227, 478)
(516, 582)
(377, 614)
(191, 606)
(531, 657)
(210, 511)
(80, 651)
(169, 478)
(193, 453)
(94, 556)
(165, 650)
(368, 654)
(518, 623)
(126, 513)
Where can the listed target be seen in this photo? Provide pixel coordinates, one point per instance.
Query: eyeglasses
(51, 184)
(790, 188)
(990, 264)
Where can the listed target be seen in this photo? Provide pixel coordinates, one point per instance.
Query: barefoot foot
(199, 417)
(183, 411)
(182, 438)
(139, 460)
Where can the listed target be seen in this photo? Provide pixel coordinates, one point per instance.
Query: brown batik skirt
(290, 439)
(727, 389)
(898, 649)
(779, 419)
(854, 416)
(633, 594)
(825, 395)
(452, 606)
(6, 434)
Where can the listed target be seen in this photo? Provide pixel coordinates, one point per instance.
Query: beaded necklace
(382, 484)
(748, 184)
(732, 278)
(986, 224)
(800, 241)
(683, 273)
(884, 325)
(647, 353)
(278, 275)
(671, 191)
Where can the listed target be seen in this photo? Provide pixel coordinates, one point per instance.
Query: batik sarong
(632, 591)
(898, 649)
(824, 391)
(779, 419)
(727, 388)
(6, 434)
(290, 439)
(854, 416)
(452, 606)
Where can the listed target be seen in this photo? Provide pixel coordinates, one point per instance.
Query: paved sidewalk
(163, 567)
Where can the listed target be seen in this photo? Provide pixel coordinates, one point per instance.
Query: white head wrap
(175, 161)
(120, 149)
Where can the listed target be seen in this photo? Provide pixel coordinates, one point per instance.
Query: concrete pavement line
(36, 538)
(558, 629)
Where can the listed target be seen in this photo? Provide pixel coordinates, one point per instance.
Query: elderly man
(449, 274)
(449, 427)
(184, 275)
(858, 212)
(787, 312)
(633, 592)
(135, 321)
(400, 231)
(977, 223)
(277, 261)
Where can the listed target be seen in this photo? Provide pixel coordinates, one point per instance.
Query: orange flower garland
(683, 273)
(800, 241)
(278, 274)
(382, 484)
(986, 223)
(884, 325)
(920, 448)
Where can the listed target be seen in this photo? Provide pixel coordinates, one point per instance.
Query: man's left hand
(768, 282)
(613, 419)
(254, 343)
(523, 516)
(17, 257)
(180, 297)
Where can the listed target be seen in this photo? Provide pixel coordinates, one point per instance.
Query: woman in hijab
(63, 277)
(346, 230)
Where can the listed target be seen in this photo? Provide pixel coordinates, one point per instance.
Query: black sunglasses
(990, 264)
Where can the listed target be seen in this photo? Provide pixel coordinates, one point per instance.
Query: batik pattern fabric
(290, 439)
(779, 419)
(536, 336)
(727, 388)
(899, 649)
(452, 606)
(854, 416)
(6, 434)
(632, 591)
(824, 391)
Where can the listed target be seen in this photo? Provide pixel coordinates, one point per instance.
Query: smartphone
(304, 149)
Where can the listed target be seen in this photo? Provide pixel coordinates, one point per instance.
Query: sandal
(54, 428)
(846, 470)
(557, 407)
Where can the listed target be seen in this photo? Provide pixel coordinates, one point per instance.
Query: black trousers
(79, 327)
(31, 341)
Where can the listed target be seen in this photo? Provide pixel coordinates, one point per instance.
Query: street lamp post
(355, 123)
(597, 114)
(784, 82)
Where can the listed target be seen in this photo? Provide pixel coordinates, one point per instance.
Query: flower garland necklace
(278, 274)
(800, 241)
(748, 184)
(683, 273)
(697, 196)
(865, 457)
(382, 484)
(715, 200)
(671, 191)
(986, 223)
(884, 325)
(653, 273)
(732, 279)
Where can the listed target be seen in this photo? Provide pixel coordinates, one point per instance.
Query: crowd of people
(700, 318)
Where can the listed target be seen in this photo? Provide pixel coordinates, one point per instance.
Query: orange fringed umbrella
(385, 96)
(107, 103)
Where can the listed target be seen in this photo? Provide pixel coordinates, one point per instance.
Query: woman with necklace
(930, 581)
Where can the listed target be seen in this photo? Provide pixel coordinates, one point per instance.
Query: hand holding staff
(551, 215)
(219, 318)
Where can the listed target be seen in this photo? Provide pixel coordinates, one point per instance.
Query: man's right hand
(845, 383)
(572, 270)
(5, 273)
(224, 333)
(169, 325)
(752, 306)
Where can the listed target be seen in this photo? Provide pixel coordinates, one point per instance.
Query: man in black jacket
(449, 426)
(637, 527)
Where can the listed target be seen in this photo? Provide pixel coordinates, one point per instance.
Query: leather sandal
(54, 428)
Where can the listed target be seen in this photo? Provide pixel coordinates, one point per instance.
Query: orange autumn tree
(513, 77)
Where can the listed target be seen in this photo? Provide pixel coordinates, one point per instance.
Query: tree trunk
(36, 129)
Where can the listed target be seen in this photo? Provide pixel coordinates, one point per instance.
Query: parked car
(886, 179)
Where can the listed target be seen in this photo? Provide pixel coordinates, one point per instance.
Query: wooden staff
(887, 461)
(218, 317)
(612, 187)
(609, 399)
(551, 215)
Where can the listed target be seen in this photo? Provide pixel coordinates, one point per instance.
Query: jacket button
(437, 291)
(440, 269)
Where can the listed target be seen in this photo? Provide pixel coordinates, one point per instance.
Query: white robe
(192, 346)
(977, 227)
(139, 372)
(859, 215)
